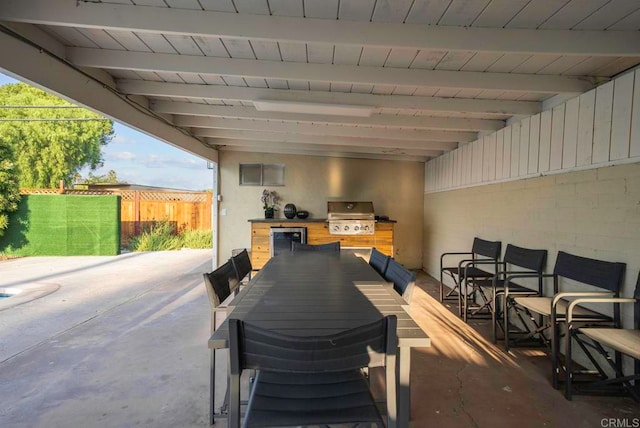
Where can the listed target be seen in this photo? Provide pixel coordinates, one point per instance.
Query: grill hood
(339, 210)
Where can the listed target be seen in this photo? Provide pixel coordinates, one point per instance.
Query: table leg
(212, 387)
(404, 386)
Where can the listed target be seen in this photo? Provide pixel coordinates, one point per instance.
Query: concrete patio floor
(122, 343)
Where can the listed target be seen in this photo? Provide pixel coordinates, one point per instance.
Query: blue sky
(139, 159)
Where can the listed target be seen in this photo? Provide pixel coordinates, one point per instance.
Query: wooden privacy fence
(140, 209)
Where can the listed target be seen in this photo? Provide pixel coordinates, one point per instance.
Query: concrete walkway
(122, 343)
(464, 380)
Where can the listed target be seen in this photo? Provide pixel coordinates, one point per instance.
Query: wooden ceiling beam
(236, 93)
(365, 143)
(200, 23)
(333, 73)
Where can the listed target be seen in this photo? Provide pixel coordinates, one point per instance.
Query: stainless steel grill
(351, 218)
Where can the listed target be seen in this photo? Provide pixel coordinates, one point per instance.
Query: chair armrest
(564, 294)
(525, 274)
(453, 254)
(457, 253)
(531, 275)
(516, 273)
(577, 301)
(486, 262)
(479, 262)
(513, 274)
(465, 262)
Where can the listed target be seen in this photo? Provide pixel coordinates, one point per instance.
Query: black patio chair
(379, 261)
(518, 263)
(316, 380)
(242, 265)
(481, 250)
(605, 279)
(403, 279)
(597, 340)
(332, 246)
(220, 284)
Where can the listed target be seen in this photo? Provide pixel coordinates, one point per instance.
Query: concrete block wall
(593, 213)
(565, 179)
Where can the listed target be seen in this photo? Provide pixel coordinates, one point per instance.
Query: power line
(126, 98)
(59, 119)
(52, 106)
(41, 119)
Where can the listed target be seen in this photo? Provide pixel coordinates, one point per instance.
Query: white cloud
(139, 159)
(121, 139)
(120, 156)
(155, 161)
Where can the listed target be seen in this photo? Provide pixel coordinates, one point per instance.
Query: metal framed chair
(605, 279)
(403, 279)
(242, 265)
(604, 341)
(332, 246)
(481, 250)
(311, 380)
(220, 284)
(518, 263)
(379, 261)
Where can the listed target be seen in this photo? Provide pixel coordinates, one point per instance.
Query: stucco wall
(593, 213)
(396, 189)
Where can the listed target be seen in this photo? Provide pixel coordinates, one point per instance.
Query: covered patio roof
(403, 80)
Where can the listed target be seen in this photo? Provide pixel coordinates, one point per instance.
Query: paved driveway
(121, 343)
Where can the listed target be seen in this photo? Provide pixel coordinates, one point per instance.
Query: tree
(109, 178)
(46, 150)
(9, 191)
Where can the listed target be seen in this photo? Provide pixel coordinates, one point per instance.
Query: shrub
(9, 192)
(159, 237)
(162, 237)
(197, 239)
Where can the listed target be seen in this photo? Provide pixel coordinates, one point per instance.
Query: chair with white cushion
(589, 278)
(605, 341)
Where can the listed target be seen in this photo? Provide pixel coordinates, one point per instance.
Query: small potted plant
(269, 202)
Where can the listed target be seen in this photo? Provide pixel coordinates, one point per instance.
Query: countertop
(301, 220)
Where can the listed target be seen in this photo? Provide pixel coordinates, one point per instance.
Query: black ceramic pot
(289, 211)
(303, 214)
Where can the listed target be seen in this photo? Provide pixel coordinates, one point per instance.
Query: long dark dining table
(319, 293)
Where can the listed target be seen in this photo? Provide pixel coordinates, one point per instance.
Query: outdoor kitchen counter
(286, 220)
(301, 220)
(317, 233)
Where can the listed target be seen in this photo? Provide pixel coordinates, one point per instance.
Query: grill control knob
(336, 228)
(366, 228)
(346, 228)
(356, 228)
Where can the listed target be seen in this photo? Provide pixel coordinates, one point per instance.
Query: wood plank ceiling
(434, 73)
